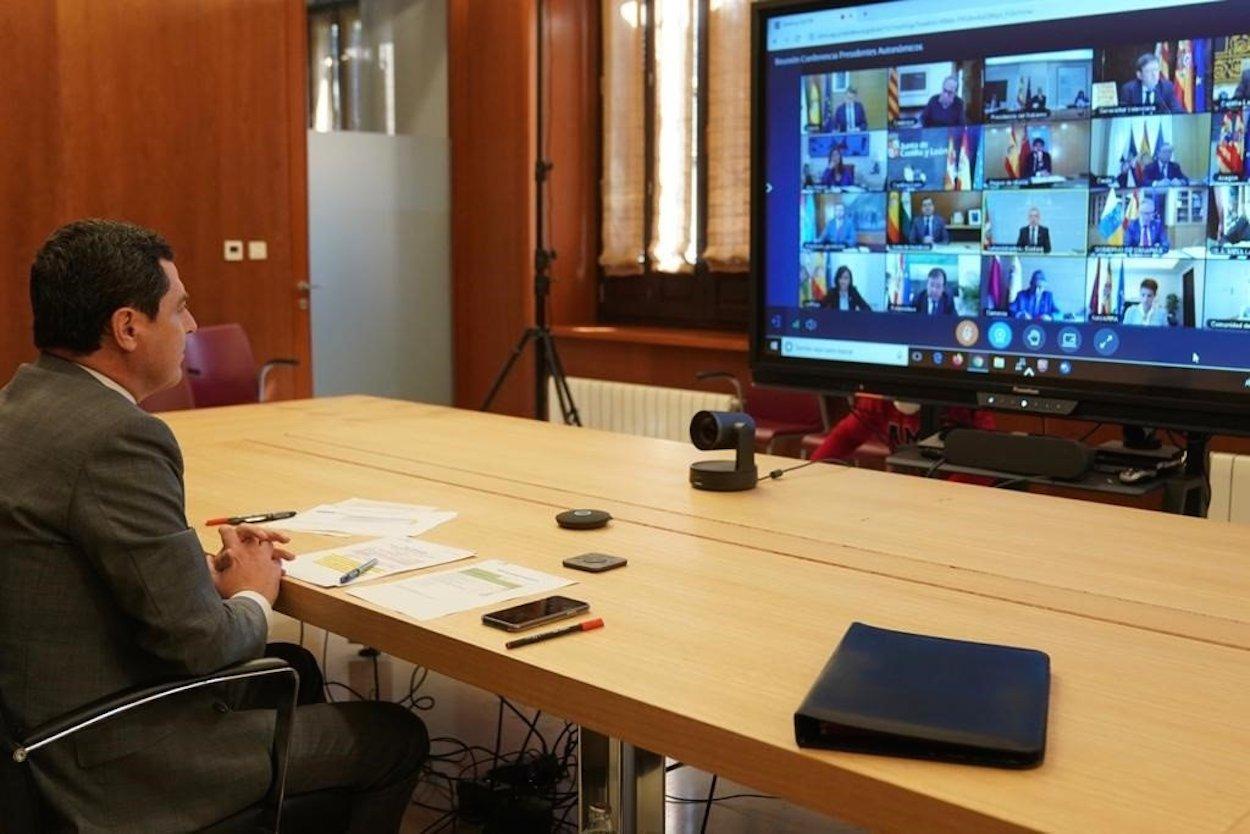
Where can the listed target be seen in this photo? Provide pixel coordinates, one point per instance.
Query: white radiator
(647, 410)
(1230, 487)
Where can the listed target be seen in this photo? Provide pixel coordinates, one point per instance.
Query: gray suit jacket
(104, 587)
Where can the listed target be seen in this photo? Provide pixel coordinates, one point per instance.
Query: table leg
(628, 779)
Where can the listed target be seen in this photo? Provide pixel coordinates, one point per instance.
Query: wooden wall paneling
(178, 116)
(28, 163)
(574, 147)
(490, 48)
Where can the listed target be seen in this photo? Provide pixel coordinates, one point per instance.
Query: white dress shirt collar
(109, 382)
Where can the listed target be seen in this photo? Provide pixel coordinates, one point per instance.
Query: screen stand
(1197, 494)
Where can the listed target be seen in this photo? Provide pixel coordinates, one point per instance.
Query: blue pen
(355, 573)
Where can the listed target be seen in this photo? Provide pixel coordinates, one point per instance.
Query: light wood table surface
(1175, 575)
(711, 643)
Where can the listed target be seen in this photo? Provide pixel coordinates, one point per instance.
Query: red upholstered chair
(783, 414)
(221, 367)
(178, 398)
(871, 455)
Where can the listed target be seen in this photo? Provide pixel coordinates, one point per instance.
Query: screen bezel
(1186, 409)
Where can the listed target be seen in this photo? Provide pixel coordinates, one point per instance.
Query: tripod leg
(517, 350)
(568, 408)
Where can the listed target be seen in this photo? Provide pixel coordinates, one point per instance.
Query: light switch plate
(257, 250)
(233, 250)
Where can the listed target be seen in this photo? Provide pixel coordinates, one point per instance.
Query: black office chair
(23, 807)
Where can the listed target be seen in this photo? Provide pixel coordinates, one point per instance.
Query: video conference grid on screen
(1100, 185)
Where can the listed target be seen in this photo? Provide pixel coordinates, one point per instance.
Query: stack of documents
(362, 517)
(474, 586)
(327, 567)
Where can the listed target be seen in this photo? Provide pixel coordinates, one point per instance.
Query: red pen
(589, 625)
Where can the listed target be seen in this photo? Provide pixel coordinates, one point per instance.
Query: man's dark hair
(1150, 284)
(85, 272)
(1039, 141)
(1146, 59)
(938, 272)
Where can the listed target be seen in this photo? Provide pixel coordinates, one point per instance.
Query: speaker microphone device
(1021, 454)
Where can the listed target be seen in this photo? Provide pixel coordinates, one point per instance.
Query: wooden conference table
(731, 604)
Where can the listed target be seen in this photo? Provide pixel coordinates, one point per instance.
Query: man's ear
(123, 328)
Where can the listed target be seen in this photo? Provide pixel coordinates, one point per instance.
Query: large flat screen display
(971, 198)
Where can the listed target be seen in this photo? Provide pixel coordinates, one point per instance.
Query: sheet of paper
(326, 567)
(362, 517)
(474, 586)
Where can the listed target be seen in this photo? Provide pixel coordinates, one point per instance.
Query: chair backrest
(220, 367)
(178, 398)
(784, 406)
(20, 806)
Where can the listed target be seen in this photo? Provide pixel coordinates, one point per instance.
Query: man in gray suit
(104, 587)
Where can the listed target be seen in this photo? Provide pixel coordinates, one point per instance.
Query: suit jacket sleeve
(127, 512)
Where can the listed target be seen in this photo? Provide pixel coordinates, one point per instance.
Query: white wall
(379, 231)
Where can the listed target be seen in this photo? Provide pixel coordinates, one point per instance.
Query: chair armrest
(263, 374)
(122, 702)
(114, 705)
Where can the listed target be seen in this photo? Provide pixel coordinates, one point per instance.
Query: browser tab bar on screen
(905, 18)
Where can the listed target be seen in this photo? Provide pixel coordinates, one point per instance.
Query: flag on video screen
(1184, 75)
(1199, 50)
(1017, 277)
(1119, 293)
(1163, 52)
(1111, 218)
(1229, 150)
(1012, 159)
(893, 231)
(1159, 140)
(1021, 98)
(997, 288)
(818, 289)
(891, 97)
(1105, 305)
(951, 162)
(1131, 204)
(963, 177)
(1093, 295)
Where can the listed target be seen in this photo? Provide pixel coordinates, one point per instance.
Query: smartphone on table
(536, 613)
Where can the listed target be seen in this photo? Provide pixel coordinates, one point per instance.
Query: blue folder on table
(900, 694)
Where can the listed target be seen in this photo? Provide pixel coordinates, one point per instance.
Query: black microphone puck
(583, 519)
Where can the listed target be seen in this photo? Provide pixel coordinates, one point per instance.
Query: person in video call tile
(1081, 99)
(1147, 229)
(1149, 89)
(840, 230)
(1149, 312)
(850, 114)
(1163, 171)
(1036, 302)
(843, 295)
(1038, 161)
(934, 300)
(929, 227)
(1035, 235)
(1243, 86)
(837, 173)
(1236, 228)
(944, 109)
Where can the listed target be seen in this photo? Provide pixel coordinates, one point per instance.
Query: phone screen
(538, 610)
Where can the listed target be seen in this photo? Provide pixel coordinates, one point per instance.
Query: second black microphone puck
(583, 519)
